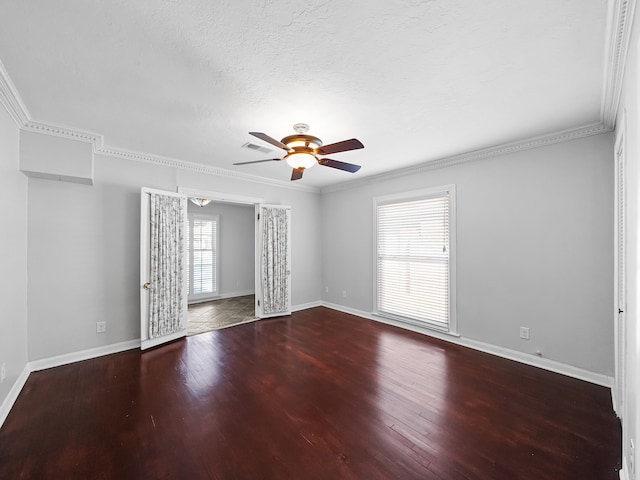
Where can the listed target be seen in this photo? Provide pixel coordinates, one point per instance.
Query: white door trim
(145, 238)
(620, 280)
(219, 196)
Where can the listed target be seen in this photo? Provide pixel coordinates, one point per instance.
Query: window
(202, 241)
(414, 258)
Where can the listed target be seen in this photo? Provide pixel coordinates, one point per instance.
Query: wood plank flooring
(222, 313)
(318, 395)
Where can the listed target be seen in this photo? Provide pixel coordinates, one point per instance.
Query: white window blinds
(413, 253)
(203, 256)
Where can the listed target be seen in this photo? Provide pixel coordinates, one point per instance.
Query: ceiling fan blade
(268, 139)
(344, 146)
(259, 161)
(347, 167)
(296, 174)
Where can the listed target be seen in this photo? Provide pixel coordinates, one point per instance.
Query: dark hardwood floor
(318, 395)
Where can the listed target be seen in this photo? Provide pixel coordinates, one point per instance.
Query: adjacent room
(221, 267)
(288, 240)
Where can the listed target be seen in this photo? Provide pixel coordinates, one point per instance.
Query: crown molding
(100, 148)
(620, 22)
(197, 167)
(64, 132)
(518, 146)
(10, 99)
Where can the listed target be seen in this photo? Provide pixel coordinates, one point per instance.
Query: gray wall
(84, 250)
(13, 256)
(236, 274)
(534, 248)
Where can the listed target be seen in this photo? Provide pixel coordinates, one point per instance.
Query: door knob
(146, 285)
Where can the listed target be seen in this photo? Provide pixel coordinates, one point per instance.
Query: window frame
(216, 270)
(417, 195)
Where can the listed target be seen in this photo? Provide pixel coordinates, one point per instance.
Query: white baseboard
(304, 306)
(528, 359)
(532, 360)
(57, 361)
(11, 398)
(221, 297)
(67, 358)
(614, 402)
(155, 342)
(624, 475)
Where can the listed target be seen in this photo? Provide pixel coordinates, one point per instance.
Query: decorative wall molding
(513, 147)
(528, 359)
(11, 101)
(620, 22)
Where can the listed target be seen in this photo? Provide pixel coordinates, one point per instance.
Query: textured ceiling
(414, 80)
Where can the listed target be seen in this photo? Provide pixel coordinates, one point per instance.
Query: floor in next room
(216, 314)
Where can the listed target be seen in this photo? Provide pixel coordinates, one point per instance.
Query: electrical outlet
(524, 333)
(344, 294)
(3, 372)
(101, 327)
(326, 289)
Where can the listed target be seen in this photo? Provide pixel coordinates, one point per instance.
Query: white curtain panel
(275, 267)
(166, 306)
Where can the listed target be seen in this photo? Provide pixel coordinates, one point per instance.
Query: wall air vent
(258, 148)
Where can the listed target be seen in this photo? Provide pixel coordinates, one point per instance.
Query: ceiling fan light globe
(301, 160)
(201, 202)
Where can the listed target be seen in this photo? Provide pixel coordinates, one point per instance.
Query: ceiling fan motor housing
(308, 143)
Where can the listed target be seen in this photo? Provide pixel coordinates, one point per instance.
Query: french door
(273, 261)
(163, 267)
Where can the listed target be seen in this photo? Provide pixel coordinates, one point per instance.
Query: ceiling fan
(303, 151)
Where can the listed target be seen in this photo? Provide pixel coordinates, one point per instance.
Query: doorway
(163, 243)
(221, 246)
